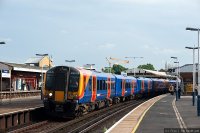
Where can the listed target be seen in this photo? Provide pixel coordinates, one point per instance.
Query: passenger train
(71, 92)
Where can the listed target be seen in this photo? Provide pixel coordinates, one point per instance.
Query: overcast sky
(91, 30)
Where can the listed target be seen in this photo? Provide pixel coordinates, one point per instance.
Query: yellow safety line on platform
(141, 118)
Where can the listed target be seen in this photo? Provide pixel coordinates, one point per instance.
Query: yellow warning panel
(188, 88)
(59, 96)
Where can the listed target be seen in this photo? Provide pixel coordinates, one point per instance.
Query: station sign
(6, 74)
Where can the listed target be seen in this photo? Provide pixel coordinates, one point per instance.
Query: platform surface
(17, 104)
(164, 115)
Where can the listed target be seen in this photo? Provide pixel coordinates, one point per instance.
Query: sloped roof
(156, 72)
(143, 71)
(34, 60)
(24, 67)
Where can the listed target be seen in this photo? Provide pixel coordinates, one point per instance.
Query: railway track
(82, 124)
(94, 124)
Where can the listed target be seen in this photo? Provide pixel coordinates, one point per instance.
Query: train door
(108, 87)
(142, 87)
(94, 89)
(149, 87)
(123, 87)
(133, 87)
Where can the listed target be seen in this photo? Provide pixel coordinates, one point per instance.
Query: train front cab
(62, 91)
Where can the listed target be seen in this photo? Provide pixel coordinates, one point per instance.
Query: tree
(117, 69)
(147, 66)
(107, 70)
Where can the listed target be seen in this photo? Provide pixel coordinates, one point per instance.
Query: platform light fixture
(2, 43)
(176, 58)
(134, 58)
(43, 55)
(198, 97)
(1, 78)
(194, 71)
(69, 60)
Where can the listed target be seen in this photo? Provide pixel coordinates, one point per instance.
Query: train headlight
(50, 94)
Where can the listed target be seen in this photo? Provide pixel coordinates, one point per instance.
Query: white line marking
(178, 116)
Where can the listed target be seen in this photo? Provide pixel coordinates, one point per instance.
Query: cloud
(107, 46)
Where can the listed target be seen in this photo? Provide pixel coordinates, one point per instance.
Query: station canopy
(148, 73)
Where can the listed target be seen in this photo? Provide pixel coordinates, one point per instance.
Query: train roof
(94, 72)
(124, 77)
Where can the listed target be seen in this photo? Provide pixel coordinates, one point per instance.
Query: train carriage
(144, 86)
(71, 92)
(77, 90)
(125, 87)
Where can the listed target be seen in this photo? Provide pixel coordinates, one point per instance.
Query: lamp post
(70, 61)
(43, 55)
(178, 75)
(176, 79)
(1, 77)
(198, 97)
(134, 58)
(193, 86)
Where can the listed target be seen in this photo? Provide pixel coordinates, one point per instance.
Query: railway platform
(162, 114)
(16, 104)
(18, 111)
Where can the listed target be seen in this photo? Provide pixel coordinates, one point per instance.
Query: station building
(186, 74)
(24, 77)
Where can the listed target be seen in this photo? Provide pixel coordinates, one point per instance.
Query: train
(72, 92)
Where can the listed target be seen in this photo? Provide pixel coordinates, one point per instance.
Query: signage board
(6, 74)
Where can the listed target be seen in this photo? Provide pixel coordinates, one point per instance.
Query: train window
(98, 84)
(101, 85)
(106, 85)
(56, 81)
(73, 82)
(135, 84)
(50, 79)
(90, 85)
(113, 85)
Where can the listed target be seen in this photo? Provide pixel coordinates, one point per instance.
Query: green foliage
(107, 70)
(116, 69)
(147, 66)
